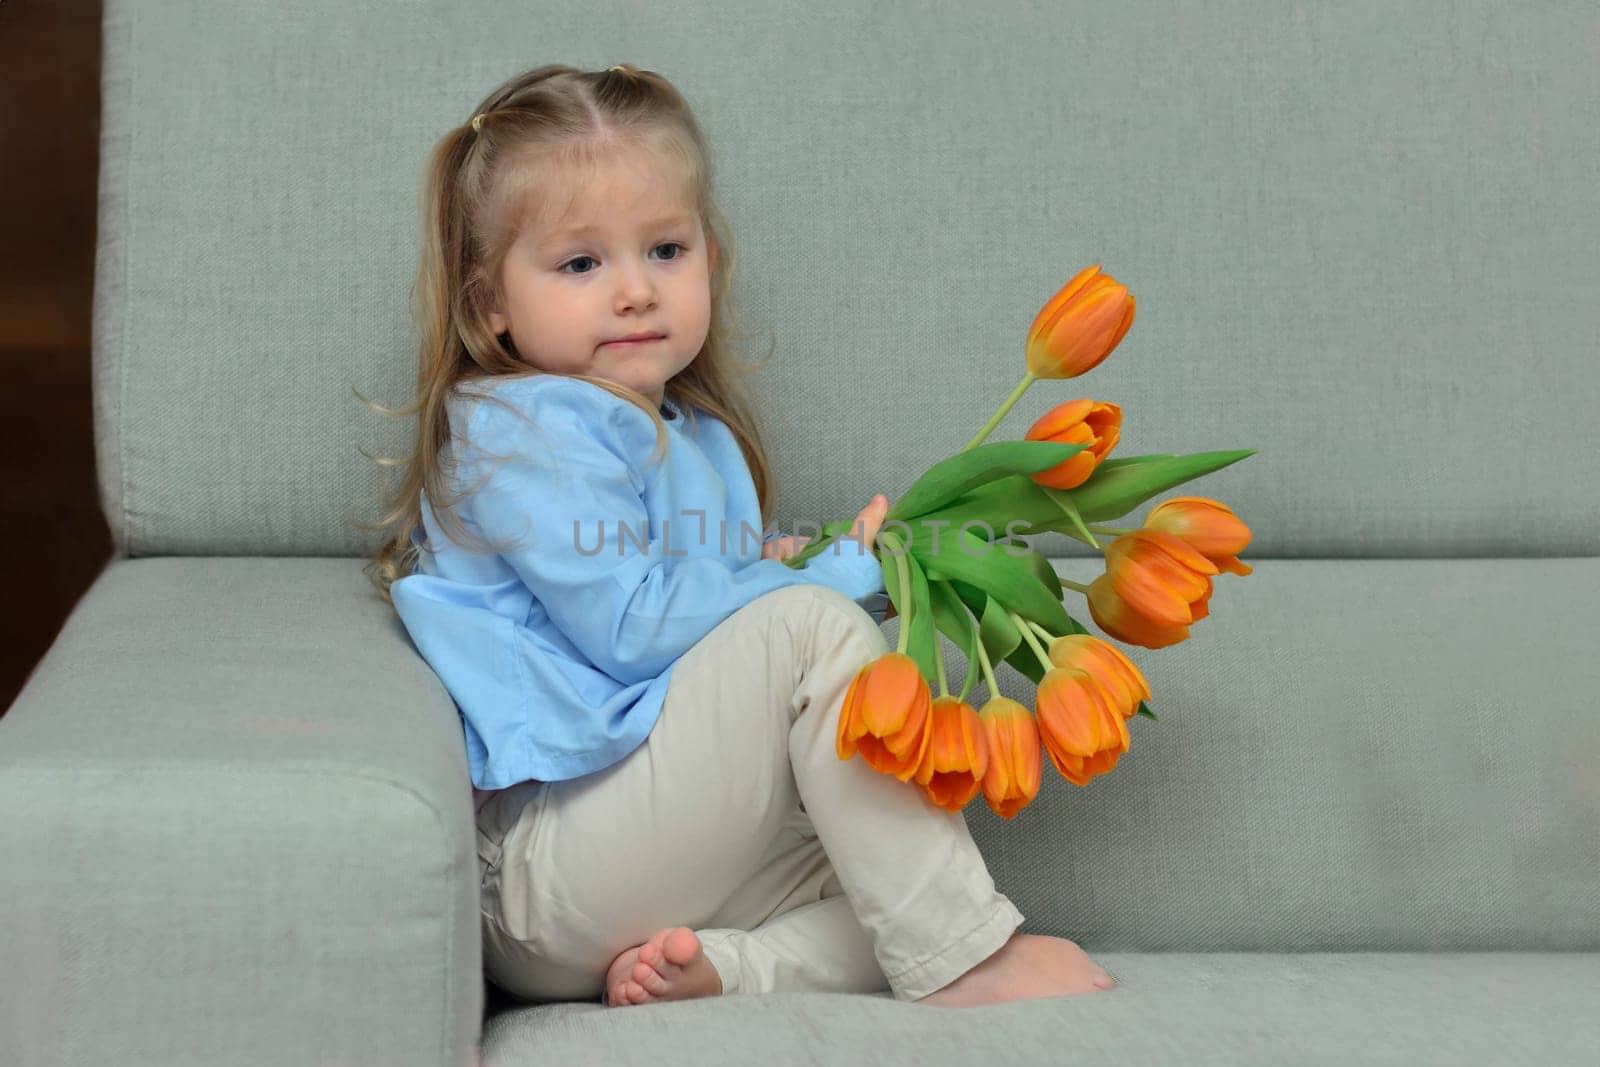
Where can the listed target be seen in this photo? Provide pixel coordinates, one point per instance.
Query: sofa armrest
(238, 828)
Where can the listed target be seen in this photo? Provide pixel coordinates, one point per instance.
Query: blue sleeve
(845, 565)
(558, 470)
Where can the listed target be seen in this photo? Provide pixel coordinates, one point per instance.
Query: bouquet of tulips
(999, 600)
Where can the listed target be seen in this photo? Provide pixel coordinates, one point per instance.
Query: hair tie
(477, 123)
(617, 66)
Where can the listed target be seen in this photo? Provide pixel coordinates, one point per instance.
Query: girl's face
(629, 257)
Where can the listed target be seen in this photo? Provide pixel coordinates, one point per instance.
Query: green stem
(1033, 642)
(904, 571)
(988, 672)
(938, 664)
(1070, 584)
(1016, 394)
(1040, 630)
(1114, 530)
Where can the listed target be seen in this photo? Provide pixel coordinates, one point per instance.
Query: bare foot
(669, 966)
(1028, 965)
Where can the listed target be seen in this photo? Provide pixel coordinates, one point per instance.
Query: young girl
(650, 705)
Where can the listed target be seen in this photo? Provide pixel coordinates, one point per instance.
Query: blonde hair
(480, 184)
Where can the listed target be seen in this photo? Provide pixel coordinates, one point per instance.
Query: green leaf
(1016, 498)
(998, 633)
(1113, 490)
(950, 616)
(831, 531)
(1075, 524)
(1009, 579)
(970, 595)
(1025, 661)
(1041, 566)
(1144, 709)
(1052, 581)
(1133, 461)
(966, 470)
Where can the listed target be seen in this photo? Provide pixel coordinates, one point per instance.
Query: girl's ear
(497, 321)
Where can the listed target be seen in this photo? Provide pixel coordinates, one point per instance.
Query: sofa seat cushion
(1233, 1008)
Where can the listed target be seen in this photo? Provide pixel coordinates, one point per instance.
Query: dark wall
(53, 535)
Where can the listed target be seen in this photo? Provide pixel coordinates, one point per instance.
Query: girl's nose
(636, 290)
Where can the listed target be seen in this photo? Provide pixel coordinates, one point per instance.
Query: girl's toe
(680, 946)
(649, 978)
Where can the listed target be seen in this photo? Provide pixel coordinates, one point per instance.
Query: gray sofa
(237, 823)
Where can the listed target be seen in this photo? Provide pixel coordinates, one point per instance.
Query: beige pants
(736, 818)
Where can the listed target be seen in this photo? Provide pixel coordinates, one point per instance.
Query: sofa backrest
(1361, 243)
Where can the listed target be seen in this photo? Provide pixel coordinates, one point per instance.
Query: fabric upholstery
(1363, 241)
(1363, 244)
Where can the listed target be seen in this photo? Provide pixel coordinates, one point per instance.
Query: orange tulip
(886, 716)
(952, 769)
(1155, 584)
(1080, 729)
(1210, 526)
(1095, 423)
(1079, 326)
(1120, 681)
(1012, 779)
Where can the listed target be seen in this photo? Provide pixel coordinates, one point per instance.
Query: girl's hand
(866, 529)
(784, 547)
(868, 521)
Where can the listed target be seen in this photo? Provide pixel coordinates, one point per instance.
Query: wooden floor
(53, 532)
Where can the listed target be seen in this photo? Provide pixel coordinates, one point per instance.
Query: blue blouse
(558, 648)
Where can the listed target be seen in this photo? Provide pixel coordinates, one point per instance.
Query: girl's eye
(590, 259)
